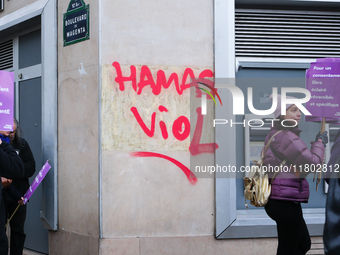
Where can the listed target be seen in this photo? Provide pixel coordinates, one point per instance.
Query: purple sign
(323, 81)
(37, 180)
(327, 120)
(6, 100)
(328, 60)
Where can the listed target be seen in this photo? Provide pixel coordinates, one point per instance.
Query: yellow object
(12, 215)
(256, 186)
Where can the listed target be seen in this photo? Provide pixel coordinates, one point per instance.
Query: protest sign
(322, 80)
(6, 100)
(37, 180)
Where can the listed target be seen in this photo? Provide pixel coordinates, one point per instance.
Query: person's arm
(13, 192)
(295, 151)
(28, 160)
(11, 165)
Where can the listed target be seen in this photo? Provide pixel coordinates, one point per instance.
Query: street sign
(76, 22)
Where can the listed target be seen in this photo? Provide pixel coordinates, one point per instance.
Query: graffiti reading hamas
(180, 133)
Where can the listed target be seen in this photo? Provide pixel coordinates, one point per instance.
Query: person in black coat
(331, 233)
(11, 166)
(17, 223)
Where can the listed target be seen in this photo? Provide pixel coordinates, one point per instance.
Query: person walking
(17, 223)
(11, 166)
(289, 187)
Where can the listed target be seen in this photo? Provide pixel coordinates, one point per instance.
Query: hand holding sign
(37, 180)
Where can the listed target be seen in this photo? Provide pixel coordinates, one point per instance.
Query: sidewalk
(28, 252)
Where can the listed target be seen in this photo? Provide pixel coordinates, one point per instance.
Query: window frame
(230, 222)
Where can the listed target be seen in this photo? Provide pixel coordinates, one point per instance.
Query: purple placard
(328, 120)
(323, 81)
(37, 180)
(6, 100)
(328, 60)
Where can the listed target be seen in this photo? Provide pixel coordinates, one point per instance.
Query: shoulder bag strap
(268, 145)
(264, 153)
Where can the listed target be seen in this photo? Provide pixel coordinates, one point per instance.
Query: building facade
(105, 86)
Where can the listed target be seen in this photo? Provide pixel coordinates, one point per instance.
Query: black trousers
(293, 235)
(17, 224)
